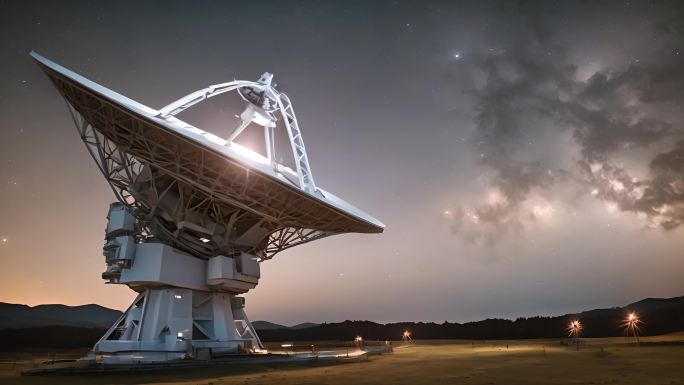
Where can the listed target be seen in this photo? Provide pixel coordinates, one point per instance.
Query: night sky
(527, 158)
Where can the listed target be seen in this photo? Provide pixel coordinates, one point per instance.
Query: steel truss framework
(284, 106)
(149, 166)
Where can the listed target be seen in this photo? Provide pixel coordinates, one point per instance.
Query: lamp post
(574, 330)
(406, 336)
(358, 341)
(631, 325)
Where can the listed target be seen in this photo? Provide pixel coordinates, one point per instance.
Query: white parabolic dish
(275, 212)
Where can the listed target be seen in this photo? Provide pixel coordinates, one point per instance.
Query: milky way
(632, 109)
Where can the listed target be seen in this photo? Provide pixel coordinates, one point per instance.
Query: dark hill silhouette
(303, 325)
(659, 316)
(265, 325)
(655, 304)
(23, 316)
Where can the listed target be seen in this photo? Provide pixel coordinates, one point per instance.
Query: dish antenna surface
(195, 214)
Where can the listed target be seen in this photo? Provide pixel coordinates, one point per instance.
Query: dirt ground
(658, 360)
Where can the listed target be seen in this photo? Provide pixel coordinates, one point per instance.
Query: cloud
(530, 95)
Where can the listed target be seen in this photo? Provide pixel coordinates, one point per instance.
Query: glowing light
(286, 345)
(179, 335)
(594, 192)
(4, 240)
(447, 212)
(457, 55)
(574, 329)
(358, 339)
(406, 336)
(631, 326)
(205, 240)
(178, 296)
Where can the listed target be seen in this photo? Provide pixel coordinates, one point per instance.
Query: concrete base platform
(69, 367)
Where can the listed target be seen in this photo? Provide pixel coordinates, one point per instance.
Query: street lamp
(406, 336)
(631, 325)
(574, 331)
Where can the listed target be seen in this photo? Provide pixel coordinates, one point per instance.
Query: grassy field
(659, 360)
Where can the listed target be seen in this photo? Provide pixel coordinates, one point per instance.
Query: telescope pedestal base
(174, 323)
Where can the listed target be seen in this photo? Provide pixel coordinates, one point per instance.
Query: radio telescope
(195, 214)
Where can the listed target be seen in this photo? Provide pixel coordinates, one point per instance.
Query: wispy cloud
(531, 92)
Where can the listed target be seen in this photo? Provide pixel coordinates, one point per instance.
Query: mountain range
(88, 316)
(15, 316)
(265, 325)
(72, 326)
